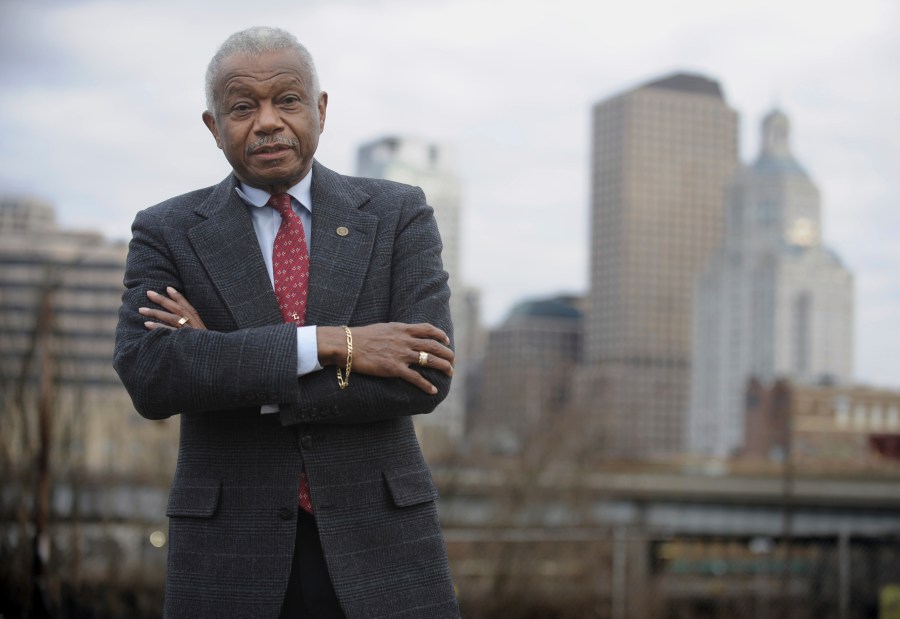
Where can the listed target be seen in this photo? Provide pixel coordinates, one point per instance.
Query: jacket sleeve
(188, 370)
(419, 292)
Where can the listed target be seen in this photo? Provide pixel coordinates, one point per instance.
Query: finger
(441, 350)
(439, 365)
(182, 301)
(417, 380)
(435, 349)
(434, 363)
(150, 325)
(433, 360)
(165, 317)
(180, 308)
(425, 330)
(186, 309)
(166, 302)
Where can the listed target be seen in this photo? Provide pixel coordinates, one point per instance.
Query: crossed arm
(387, 350)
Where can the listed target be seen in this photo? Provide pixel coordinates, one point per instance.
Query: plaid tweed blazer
(233, 501)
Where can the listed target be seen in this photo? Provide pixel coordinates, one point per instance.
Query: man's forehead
(279, 65)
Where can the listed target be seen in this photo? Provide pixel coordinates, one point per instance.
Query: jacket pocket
(410, 485)
(195, 498)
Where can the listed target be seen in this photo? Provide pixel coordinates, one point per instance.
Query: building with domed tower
(773, 303)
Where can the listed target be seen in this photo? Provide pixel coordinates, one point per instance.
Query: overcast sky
(100, 113)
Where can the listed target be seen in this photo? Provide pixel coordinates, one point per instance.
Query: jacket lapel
(341, 248)
(226, 244)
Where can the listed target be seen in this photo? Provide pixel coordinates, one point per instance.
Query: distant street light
(158, 539)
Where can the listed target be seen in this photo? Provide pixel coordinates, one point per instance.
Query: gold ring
(183, 321)
(423, 358)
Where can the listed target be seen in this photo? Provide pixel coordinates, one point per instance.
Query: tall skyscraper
(431, 166)
(662, 154)
(773, 302)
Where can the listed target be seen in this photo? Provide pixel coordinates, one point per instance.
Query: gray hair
(254, 42)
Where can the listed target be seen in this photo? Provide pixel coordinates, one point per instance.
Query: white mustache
(272, 139)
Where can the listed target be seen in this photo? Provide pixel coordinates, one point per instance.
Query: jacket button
(306, 442)
(286, 513)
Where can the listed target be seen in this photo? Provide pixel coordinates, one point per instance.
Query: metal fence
(839, 577)
(620, 574)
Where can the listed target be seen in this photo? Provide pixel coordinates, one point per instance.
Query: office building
(838, 429)
(85, 478)
(527, 373)
(662, 154)
(60, 291)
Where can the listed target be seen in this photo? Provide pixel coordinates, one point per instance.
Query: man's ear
(322, 105)
(210, 123)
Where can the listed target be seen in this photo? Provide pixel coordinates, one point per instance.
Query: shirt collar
(301, 192)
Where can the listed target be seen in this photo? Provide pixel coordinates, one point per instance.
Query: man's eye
(240, 108)
(290, 100)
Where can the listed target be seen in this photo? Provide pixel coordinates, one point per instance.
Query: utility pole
(782, 400)
(844, 575)
(619, 589)
(46, 396)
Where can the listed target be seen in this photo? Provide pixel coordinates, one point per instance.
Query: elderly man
(295, 319)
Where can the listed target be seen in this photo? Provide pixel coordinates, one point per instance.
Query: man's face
(267, 122)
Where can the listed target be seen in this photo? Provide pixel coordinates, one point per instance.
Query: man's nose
(268, 119)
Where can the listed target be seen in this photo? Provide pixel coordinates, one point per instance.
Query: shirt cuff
(307, 350)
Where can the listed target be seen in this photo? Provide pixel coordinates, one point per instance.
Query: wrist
(331, 345)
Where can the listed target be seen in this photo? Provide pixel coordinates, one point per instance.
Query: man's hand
(179, 309)
(389, 350)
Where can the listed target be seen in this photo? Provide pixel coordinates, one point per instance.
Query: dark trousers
(310, 594)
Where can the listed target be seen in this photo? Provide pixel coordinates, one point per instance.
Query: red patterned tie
(290, 266)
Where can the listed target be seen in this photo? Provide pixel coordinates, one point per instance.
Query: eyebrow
(238, 85)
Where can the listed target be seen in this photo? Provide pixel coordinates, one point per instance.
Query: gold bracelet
(344, 381)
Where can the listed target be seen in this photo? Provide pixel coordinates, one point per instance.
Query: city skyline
(102, 102)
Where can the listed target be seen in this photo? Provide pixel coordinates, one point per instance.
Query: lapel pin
(342, 231)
